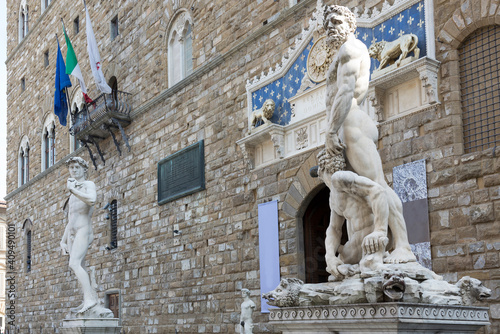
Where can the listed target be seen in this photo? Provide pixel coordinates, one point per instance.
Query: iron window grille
(480, 88)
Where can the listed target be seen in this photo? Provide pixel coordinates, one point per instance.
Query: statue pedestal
(91, 326)
(379, 318)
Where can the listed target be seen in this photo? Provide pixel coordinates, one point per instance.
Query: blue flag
(62, 82)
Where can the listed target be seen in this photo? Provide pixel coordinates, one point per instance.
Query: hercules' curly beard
(336, 37)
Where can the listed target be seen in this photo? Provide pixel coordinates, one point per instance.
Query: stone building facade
(179, 267)
(3, 248)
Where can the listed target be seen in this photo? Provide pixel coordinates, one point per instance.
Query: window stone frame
(177, 29)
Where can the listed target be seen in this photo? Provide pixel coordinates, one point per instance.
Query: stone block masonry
(190, 282)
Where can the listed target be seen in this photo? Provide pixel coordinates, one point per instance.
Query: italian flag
(73, 68)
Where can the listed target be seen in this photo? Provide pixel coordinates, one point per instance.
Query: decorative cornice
(286, 62)
(367, 19)
(426, 69)
(404, 73)
(432, 107)
(382, 311)
(287, 59)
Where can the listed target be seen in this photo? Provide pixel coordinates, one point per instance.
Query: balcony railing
(102, 111)
(98, 120)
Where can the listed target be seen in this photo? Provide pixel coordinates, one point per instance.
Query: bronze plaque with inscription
(182, 173)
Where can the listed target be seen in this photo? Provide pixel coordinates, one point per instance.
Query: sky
(3, 99)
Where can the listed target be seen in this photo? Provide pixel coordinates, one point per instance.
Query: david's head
(245, 293)
(339, 22)
(77, 167)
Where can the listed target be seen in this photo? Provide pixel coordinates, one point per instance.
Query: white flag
(95, 59)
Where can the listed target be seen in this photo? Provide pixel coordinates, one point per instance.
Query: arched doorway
(315, 222)
(316, 219)
(113, 83)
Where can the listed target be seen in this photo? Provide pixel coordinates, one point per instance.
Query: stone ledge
(91, 326)
(380, 318)
(426, 69)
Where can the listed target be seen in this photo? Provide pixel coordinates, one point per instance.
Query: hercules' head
(338, 22)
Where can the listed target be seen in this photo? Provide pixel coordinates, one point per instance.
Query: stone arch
(76, 102)
(23, 160)
(173, 6)
(48, 103)
(76, 99)
(112, 70)
(303, 188)
(175, 44)
(172, 10)
(300, 194)
(470, 16)
(27, 224)
(23, 20)
(49, 120)
(24, 143)
(27, 236)
(466, 18)
(48, 130)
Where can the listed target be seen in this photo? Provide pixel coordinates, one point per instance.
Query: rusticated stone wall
(190, 283)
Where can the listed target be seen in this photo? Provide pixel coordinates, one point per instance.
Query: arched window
(27, 227)
(180, 48)
(23, 161)
(23, 20)
(480, 88)
(48, 142)
(45, 4)
(113, 83)
(77, 106)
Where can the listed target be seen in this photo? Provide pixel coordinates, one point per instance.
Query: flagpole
(62, 82)
(65, 91)
(94, 57)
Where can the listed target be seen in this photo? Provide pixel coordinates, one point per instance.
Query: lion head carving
(268, 108)
(375, 50)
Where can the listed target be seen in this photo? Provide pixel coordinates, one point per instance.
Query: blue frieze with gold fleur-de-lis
(411, 20)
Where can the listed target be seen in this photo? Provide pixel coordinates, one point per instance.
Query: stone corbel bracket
(429, 78)
(273, 132)
(376, 97)
(278, 139)
(424, 68)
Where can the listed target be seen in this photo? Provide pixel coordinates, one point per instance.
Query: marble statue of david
(78, 234)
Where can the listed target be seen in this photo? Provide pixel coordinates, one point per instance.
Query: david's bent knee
(74, 265)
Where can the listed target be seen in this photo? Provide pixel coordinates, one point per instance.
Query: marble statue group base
(91, 326)
(379, 318)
